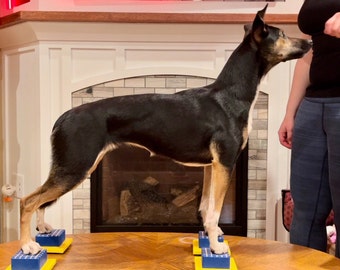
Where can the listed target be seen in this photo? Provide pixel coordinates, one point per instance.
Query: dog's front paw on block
(53, 239)
(203, 239)
(21, 261)
(211, 260)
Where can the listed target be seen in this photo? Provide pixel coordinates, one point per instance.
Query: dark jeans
(315, 171)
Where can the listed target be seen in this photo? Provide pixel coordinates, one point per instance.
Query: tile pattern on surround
(169, 84)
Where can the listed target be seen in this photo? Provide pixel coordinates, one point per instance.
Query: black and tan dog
(206, 126)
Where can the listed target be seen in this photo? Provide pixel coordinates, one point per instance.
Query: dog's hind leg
(56, 186)
(42, 227)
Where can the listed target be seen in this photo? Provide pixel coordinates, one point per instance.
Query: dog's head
(272, 43)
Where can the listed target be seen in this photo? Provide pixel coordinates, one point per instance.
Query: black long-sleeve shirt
(325, 66)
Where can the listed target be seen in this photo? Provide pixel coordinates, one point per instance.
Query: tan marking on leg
(42, 195)
(218, 187)
(100, 156)
(205, 191)
(27, 244)
(245, 135)
(28, 205)
(42, 227)
(248, 128)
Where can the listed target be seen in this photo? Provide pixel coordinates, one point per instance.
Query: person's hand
(332, 26)
(286, 132)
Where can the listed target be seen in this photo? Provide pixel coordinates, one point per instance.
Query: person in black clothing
(311, 127)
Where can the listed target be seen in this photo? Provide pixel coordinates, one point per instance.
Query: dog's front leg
(212, 201)
(206, 195)
(205, 192)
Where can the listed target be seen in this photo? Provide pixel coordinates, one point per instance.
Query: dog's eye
(282, 34)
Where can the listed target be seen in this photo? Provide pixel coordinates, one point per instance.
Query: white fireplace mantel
(43, 62)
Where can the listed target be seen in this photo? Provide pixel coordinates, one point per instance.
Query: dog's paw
(219, 247)
(31, 248)
(44, 228)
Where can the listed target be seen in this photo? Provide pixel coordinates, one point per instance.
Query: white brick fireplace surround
(44, 62)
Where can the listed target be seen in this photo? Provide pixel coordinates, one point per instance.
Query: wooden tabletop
(174, 251)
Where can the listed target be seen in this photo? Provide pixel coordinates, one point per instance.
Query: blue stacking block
(53, 239)
(211, 260)
(203, 240)
(21, 261)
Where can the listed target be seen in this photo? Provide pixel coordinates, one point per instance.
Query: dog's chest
(248, 128)
(251, 110)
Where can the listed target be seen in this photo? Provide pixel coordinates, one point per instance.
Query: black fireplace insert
(131, 191)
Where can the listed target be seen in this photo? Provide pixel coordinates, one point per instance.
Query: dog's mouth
(303, 47)
(294, 55)
(291, 55)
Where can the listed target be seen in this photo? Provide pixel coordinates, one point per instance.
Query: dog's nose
(307, 44)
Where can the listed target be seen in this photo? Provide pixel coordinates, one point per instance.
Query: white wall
(20, 158)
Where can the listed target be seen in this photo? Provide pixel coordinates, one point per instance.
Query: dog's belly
(196, 160)
(111, 147)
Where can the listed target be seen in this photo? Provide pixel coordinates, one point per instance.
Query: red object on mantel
(14, 3)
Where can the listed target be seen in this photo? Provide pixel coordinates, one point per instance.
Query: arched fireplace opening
(131, 191)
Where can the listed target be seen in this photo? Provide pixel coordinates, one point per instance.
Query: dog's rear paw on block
(203, 239)
(211, 261)
(54, 241)
(203, 242)
(21, 261)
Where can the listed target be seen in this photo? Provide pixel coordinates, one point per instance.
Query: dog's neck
(243, 71)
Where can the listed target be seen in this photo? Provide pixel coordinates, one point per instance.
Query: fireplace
(111, 54)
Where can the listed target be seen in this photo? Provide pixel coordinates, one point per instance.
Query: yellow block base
(197, 251)
(49, 264)
(198, 264)
(61, 249)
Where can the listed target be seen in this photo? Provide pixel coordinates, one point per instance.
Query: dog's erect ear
(247, 29)
(259, 27)
(262, 12)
